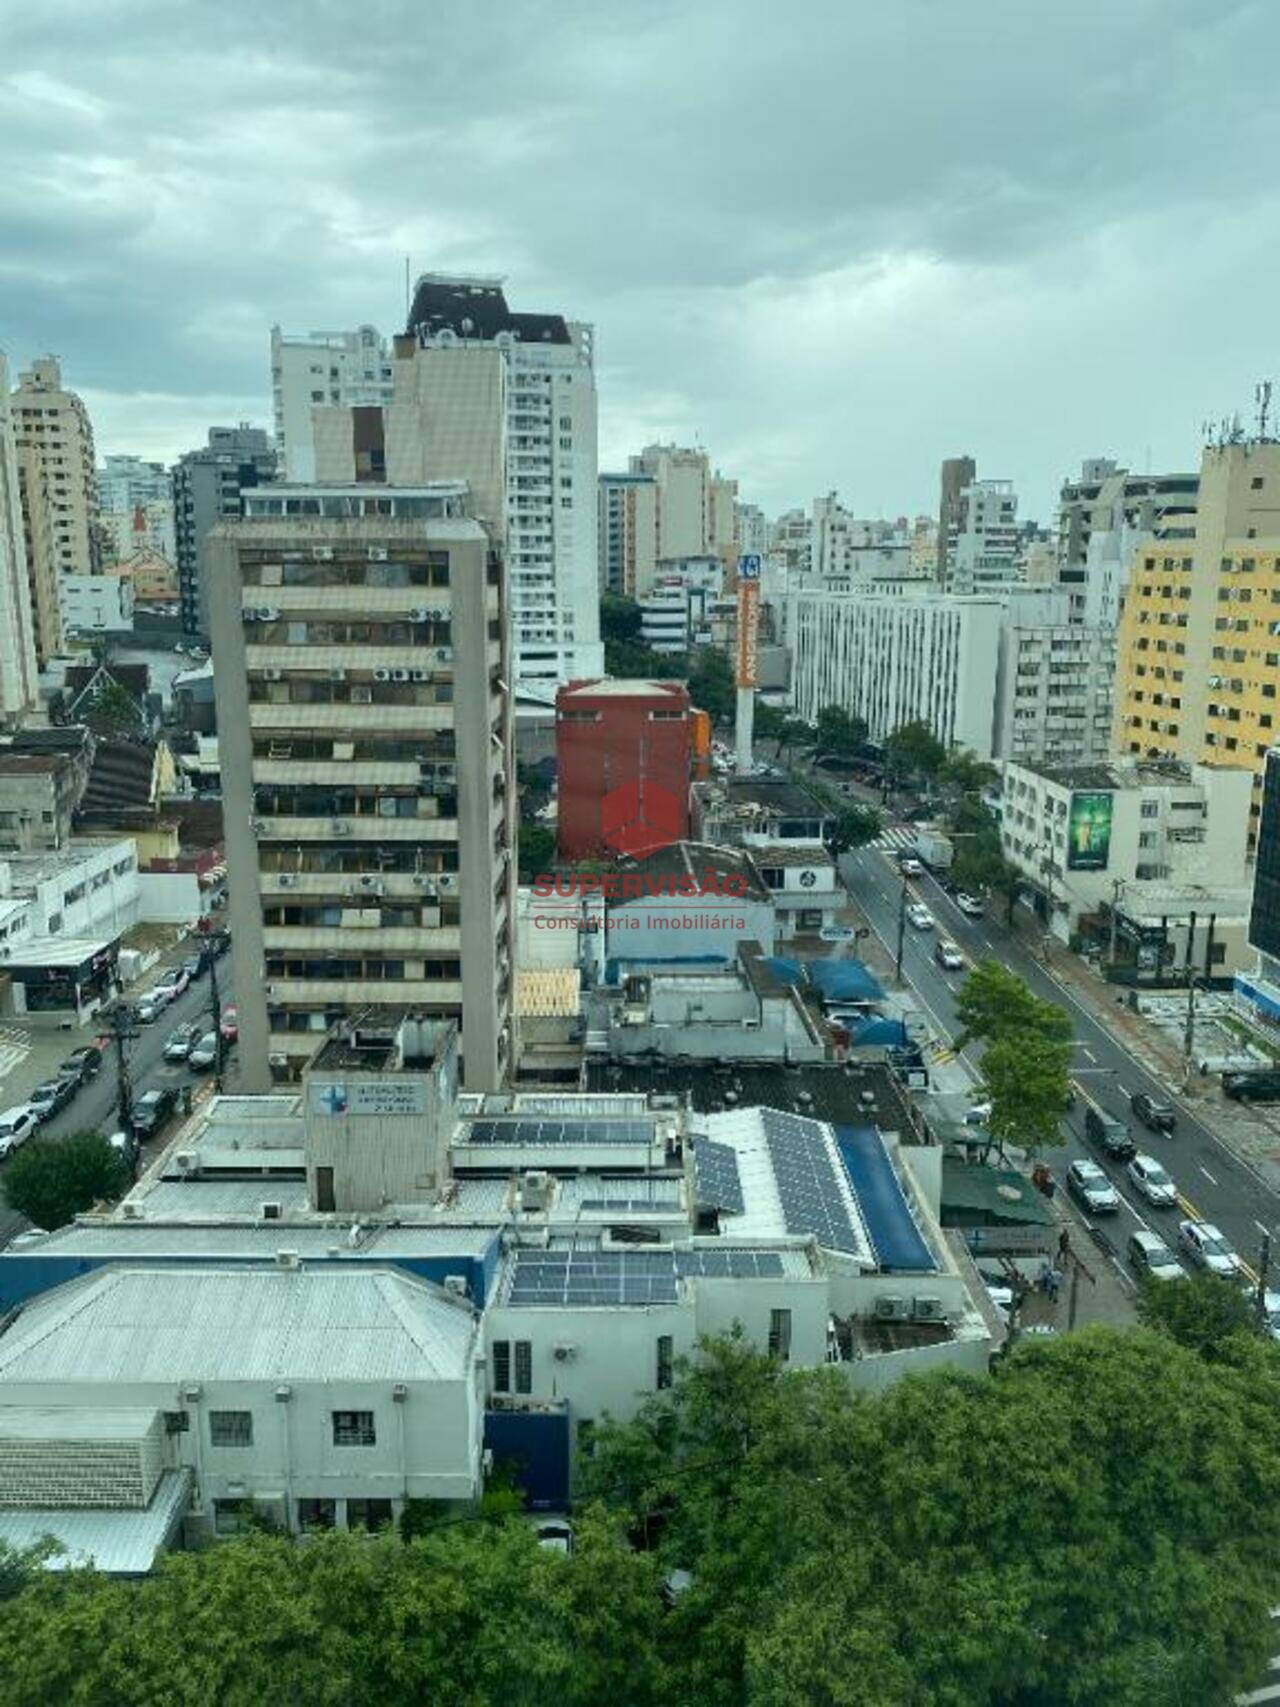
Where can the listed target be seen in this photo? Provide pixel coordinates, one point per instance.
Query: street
(1214, 1184)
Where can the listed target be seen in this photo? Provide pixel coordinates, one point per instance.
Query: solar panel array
(535, 1133)
(717, 1182)
(595, 1277)
(807, 1181)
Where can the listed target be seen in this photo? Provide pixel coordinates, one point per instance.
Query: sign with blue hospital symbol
(749, 566)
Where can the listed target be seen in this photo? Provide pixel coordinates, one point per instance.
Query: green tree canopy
(52, 1180)
(994, 1003)
(914, 750)
(537, 850)
(1202, 1312)
(963, 773)
(1025, 1076)
(855, 827)
(619, 618)
(839, 733)
(711, 683)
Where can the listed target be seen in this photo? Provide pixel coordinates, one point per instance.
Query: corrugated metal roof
(213, 1197)
(125, 1238)
(139, 1325)
(124, 1542)
(60, 1422)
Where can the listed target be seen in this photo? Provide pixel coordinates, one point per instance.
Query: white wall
(169, 897)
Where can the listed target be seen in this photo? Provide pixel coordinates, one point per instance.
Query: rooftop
(780, 799)
(844, 1095)
(710, 868)
(123, 1542)
(1138, 773)
(477, 308)
(622, 688)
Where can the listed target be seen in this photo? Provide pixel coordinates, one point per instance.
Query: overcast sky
(831, 242)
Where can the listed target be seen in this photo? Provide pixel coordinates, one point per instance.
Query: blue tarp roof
(899, 1244)
(877, 1029)
(844, 981)
(786, 971)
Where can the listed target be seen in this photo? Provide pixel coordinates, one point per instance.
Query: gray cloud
(835, 241)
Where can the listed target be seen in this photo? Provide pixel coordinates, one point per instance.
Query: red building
(622, 753)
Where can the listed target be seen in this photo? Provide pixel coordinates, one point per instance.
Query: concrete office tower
(684, 503)
(350, 369)
(551, 521)
(135, 500)
(359, 642)
(207, 485)
(1198, 658)
(54, 425)
(958, 472)
(19, 693)
(628, 533)
(1102, 517)
(984, 549)
(38, 540)
(752, 529)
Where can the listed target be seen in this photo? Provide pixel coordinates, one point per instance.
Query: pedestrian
(1064, 1244)
(1053, 1280)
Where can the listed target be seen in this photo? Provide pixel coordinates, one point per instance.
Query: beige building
(361, 668)
(628, 528)
(154, 577)
(41, 554)
(19, 692)
(1198, 661)
(54, 425)
(683, 480)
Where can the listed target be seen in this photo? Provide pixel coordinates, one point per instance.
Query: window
(230, 1428)
(317, 1514)
(524, 1366)
(665, 1361)
(780, 1334)
(1147, 839)
(354, 1428)
(324, 1191)
(369, 1514)
(1150, 808)
(502, 1366)
(230, 1517)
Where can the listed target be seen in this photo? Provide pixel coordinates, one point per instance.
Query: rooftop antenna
(1262, 397)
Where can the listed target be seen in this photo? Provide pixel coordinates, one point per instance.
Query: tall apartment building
(1102, 517)
(41, 556)
(350, 369)
(19, 691)
(1198, 655)
(207, 487)
(628, 529)
(551, 435)
(125, 481)
(958, 473)
(752, 529)
(696, 504)
(135, 501)
(984, 547)
(1054, 688)
(54, 425)
(361, 656)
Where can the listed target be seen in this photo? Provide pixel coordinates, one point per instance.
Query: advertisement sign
(1089, 831)
(388, 1096)
(748, 633)
(749, 566)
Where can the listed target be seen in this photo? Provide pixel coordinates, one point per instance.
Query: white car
(837, 933)
(978, 1115)
(153, 1004)
(1087, 1182)
(16, 1126)
(1153, 1182)
(920, 916)
(1149, 1254)
(175, 981)
(1207, 1248)
(909, 866)
(969, 904)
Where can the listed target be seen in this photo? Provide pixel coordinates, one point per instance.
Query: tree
(620, 619)
(52, 1180)
(839, 733)
(854, 828)
(994, 1003)
(711, 684)
(1025, 1076)
(537, 850)
(914, 751)
(1202, 1312)
(768, 722)
(795, 732)
(962, 773)
(979, 865)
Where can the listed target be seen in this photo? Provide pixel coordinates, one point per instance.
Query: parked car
(153, 1004)
(179, 1043)
(909, 865)
(970, 904)
(175, 980)
(1207, 1248)
(194, 966)
(16, 1126)
(1108, 1134)
(978, 1115)
(229, 1023)
(205, 1053)
(1152, 1181)
(1157, 1116)
(920, 916)
(152, 1109)
(1149, 1254)
(51, 1097)
(837, 933)
(82, 1064)
(1256, 1085)
(1090, 1186)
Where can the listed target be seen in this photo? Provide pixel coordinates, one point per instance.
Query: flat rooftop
(779, 798)
(844, 1095)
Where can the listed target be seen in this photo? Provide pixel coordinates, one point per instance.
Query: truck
(934, 849)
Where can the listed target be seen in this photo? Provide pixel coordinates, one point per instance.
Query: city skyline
(837, 296)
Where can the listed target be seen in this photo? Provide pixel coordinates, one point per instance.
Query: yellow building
(1198, 648)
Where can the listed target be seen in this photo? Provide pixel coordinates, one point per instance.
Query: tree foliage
(1025, 1077)
(839, 733)
(914, 751)
(1202, 1312)
(537, 850)
(855, 827)
(52, 1180)
(994, 1003)
(620, 619)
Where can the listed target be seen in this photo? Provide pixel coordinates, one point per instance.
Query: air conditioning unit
(448, 882)
(272, 1211)
(892, 1309)
(322, 553)
(420, 675)
(339, 826)
(277, 1060)
(421, 614)
(267, 613)
(535, 1189)
(338, 674)
(399, 675)
(131, 1211)
(424, 880)
(564, 1352)
(382, 675)
(927, 1309)
(273, 675)
(287, 880)
(288, 1259)
(250, 615)
(373, 883)
(185, 1161)
(455, 1285)
(445, 654)
(377, 554)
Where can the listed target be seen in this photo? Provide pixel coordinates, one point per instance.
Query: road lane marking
(1121, 1088)
(1206, 1173)
(1265, 1231)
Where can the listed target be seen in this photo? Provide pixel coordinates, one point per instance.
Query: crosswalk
(895, 837)
(14, 1049)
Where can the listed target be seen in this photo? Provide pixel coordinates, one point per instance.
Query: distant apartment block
(350, 369)
(207, 487)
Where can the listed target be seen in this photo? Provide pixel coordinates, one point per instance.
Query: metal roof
(123, 1542)
(125, 1239)
(142, 1324)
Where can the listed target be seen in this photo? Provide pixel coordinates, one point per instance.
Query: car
(909, 865)
(969, 904)
(1108, 1134)
(837, 933)
(180, 1042)
(229, 1023)
(1148, 1254)
(1255, 1085)
(1152, 1181)
(152, 1109)
(152, 1005)
(205, 1053)
(920, 916)
(175, 980)
(16, 1126)
(1090, 1186)
(948, 956)
(1207, 1248)
(51, 1097)
(127, 1146)
(194, 966)
(1156, 1116)
(81, 1064)
(978, 1115)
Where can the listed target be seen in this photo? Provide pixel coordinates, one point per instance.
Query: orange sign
(748, 633)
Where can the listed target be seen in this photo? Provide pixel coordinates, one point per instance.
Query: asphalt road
(94, 1107)
(1214, 1184)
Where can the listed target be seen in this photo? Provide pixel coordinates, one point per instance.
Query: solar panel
(808, 1184)
(538, 1133)
(717, 1182)
(599, 1278)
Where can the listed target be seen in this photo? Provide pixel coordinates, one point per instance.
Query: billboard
(1089, 831)
(747, 674)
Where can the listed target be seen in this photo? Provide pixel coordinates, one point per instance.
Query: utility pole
(1264, 1263)
(1117, 890)
(122, 1031)
(215, 1009)
(1189, 1033)
(902, 927)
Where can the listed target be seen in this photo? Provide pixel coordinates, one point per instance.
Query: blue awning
(877, 1029)
(844, 981)
(899, 1243)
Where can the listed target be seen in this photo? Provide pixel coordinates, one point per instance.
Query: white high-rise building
(351, 369)
(18, 690)
(551, 472)
(984, 547)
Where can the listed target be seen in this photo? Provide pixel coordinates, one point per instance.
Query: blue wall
(537, 1444)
